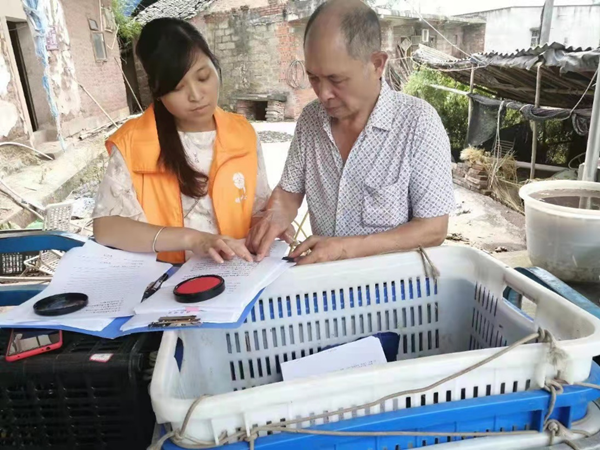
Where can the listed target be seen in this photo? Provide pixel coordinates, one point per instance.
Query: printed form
(243, 281)
(113, 280)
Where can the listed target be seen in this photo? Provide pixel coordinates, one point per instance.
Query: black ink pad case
(60, 304)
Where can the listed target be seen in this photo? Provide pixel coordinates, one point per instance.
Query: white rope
(498, 159)
(586, 91)
(555, 387)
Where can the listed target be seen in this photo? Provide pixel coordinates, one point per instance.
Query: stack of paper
(243, 282)
(113, 280)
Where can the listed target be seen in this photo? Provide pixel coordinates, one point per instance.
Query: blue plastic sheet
(39, 25)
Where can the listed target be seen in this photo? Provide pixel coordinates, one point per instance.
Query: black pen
(152, 288)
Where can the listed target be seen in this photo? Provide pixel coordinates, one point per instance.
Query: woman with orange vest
(185, 177)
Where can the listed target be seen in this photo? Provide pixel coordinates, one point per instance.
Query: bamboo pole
(471, 88)
(128, 85)
(98, 104)
(534, 124)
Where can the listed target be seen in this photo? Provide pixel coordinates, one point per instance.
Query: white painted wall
(578, 26)
(508, 30)
(454, 7)
(12, 9)
(9, 115)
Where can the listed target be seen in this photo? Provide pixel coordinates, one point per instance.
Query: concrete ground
(482, 222)
(478, 221)
(41, 181)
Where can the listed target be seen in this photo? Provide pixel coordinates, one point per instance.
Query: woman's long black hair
(167, 50)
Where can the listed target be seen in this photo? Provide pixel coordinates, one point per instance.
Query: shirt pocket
(385, 207)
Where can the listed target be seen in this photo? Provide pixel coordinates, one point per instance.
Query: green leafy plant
(452, 108)
(558, 142)
(129, 28)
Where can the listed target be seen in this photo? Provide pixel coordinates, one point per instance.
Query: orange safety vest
(232, 177)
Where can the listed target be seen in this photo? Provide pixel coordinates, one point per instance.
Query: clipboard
(113, 330)
(28, 241)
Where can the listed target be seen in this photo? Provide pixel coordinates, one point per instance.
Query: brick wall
(454, 33)
(403, 31)
(255, 48)
(388, 38)
(102, 79)
(257, 45)
(145, 94)
(470, 38)
(474, 38)
(228, 5)
(290, 48)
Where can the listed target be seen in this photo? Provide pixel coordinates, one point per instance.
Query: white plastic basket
(448, 326)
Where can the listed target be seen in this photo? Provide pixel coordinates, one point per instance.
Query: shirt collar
(381, 116)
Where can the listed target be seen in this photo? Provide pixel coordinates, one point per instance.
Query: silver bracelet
(155, 238)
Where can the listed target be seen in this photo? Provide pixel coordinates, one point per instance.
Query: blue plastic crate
(507, 412)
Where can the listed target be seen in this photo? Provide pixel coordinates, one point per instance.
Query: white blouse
(116, 194)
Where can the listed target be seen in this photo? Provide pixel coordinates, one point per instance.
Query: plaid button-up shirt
(398, 169)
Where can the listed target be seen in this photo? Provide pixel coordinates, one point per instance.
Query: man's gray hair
(358, 23)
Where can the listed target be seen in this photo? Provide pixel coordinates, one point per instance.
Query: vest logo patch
(240, 183)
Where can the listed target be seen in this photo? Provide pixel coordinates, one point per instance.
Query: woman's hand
(219, 248)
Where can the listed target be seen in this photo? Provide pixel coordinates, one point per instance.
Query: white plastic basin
(565, 241)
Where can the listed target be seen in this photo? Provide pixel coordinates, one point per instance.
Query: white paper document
(113, 280)
(363, 353)
(80, 324)
(243, 281)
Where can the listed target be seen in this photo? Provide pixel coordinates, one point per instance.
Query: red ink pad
(199, 289)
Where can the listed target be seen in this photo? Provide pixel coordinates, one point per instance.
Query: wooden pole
(534, 124)
(449, 89)
(98, 104)
(128, 85)
(471, 88)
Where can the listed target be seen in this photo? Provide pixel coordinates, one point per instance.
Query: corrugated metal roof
(178, 9)
(540, 49)
(533, 51)
(433, 55)
(388, 13)
(566, 73)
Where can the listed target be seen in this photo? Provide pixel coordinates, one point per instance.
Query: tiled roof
(179, 9)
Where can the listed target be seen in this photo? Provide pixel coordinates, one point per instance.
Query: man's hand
(275, 222)
(323, 249)
(264, 232)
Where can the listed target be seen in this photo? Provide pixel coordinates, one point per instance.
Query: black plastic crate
(64, 400)
(14, 263)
